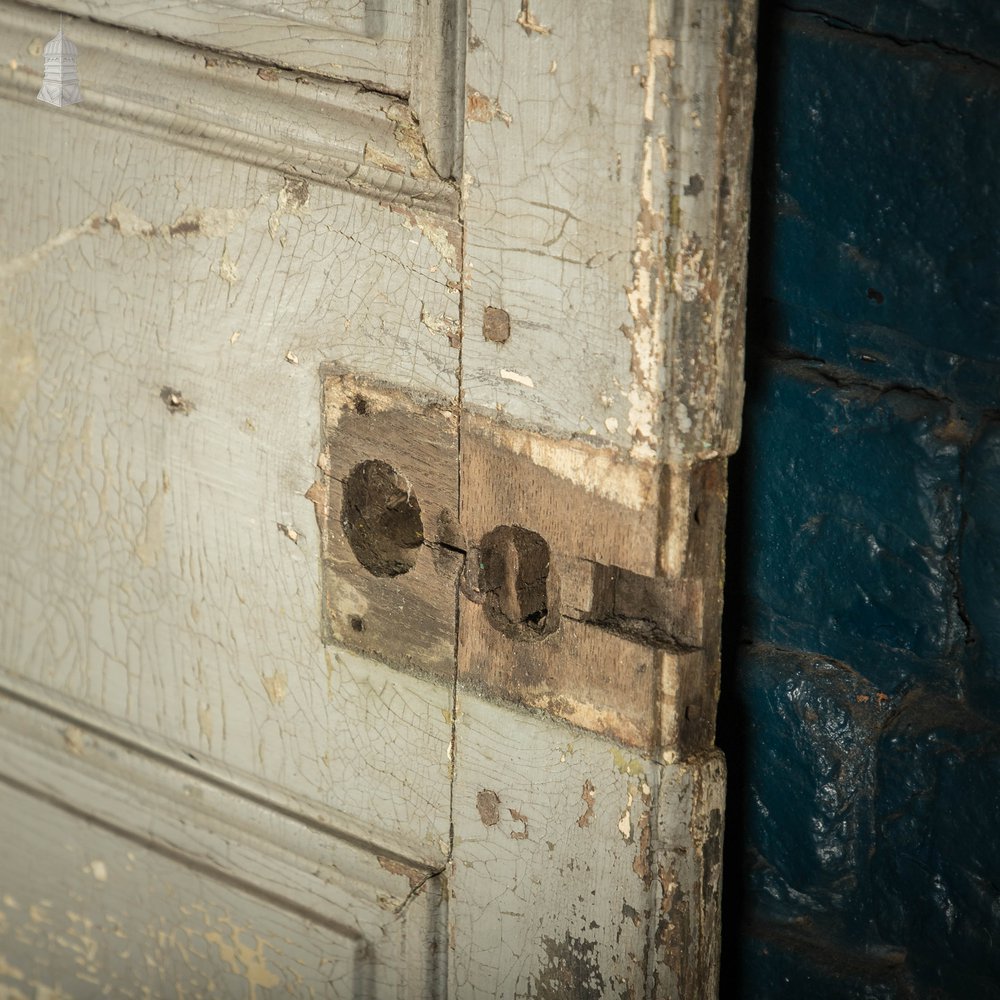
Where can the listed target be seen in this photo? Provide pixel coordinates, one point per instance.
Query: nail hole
(360, 405)
(357, 623)
(496, 325)
(175, 401)
(516, 582)
(876, 296)
(381, 519)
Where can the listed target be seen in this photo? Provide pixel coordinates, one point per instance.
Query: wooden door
(368, 373)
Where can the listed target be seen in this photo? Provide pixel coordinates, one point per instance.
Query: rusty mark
(483, 109)
(268, 73)
(519, 817)
(588, 796)
(488, 804)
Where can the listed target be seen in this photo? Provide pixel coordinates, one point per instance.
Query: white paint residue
(516, 377)
(611, 424)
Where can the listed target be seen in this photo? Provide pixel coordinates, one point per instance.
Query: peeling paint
(385, 161)
(410, 139)
(530, 23)
(293, 199)
(446, 238)
(647, 294)
(519, 817)
(589, 796)
(442, 326)
(602, 471)
(243, 960)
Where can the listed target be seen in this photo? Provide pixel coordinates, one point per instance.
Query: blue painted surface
(861, 690)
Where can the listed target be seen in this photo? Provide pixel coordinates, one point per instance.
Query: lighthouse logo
(60, 85)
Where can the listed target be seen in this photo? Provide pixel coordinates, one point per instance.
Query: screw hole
(381, 519)
(517, 584)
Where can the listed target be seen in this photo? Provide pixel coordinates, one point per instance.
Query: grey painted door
(368, 376)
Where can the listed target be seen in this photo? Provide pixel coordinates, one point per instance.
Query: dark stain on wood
(488, 806)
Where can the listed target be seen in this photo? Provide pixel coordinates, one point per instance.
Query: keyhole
(381, 519)
(516, 582)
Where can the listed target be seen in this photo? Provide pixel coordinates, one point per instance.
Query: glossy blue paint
(861, 691)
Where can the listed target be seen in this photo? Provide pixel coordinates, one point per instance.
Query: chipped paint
(385, 161)
(510, 376)
(519, 817)
(442, 326)
(293, 200)
(276, 686)
(625, 822)
(410, 140)
(446, 238)
(602, 471)
(483, 109)
(98, 869)
(647, 294)
(488, 807)
(14, 266)
(242, 959)
(589, 796)
(530, 23)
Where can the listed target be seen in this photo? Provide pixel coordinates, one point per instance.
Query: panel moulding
(338, 133)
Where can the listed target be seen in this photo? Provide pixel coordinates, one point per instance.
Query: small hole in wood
(381, 519)
(360, 405)
(357, 623)
(516, 581)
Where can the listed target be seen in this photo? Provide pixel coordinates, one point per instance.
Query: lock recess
(577, 581)
(386, 506)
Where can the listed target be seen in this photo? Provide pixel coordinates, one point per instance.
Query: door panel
(362, 463)
(161, 572)
(107, 885)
